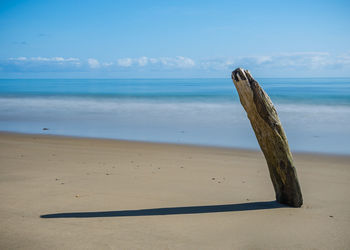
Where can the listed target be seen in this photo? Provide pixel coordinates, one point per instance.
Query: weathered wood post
(271, 137)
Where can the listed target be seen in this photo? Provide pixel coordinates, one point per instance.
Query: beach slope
(76, 193)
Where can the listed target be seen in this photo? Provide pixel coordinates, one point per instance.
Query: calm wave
(315, 112)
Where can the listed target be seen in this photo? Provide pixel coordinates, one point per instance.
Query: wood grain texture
(271, 137)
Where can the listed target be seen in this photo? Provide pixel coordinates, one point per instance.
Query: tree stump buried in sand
(271, 137)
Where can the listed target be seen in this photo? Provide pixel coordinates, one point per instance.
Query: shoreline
(2, 132)
(81, 193)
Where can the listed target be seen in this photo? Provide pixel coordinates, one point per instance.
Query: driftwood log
(271, 137)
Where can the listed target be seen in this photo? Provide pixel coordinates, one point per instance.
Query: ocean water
(315, 112)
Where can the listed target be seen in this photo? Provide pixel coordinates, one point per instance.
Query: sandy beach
(77, 193)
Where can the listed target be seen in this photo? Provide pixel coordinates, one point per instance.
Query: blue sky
(132, 39)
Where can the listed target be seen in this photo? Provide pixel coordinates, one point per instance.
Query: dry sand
(207, 198)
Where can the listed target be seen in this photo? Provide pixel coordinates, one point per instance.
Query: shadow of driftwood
(171, 210)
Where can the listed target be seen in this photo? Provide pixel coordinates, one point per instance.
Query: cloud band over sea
(285, 65)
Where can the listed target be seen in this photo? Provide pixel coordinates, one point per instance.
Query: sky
(173, 39)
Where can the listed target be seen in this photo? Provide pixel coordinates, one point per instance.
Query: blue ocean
(315, 112)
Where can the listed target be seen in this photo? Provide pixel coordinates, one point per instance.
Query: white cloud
(153, 60)
(184, 62)
(45, 59)
(93, 63)
(263, 59)
(72, 59)
(21, 58)
(306, 60)
(169, 62)
(58, 59)
(176, 62)
(124, 62)
(142, 61)
(344, 59)
(107, 64)
(302, 59)
(312, 63)
(216, 63)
